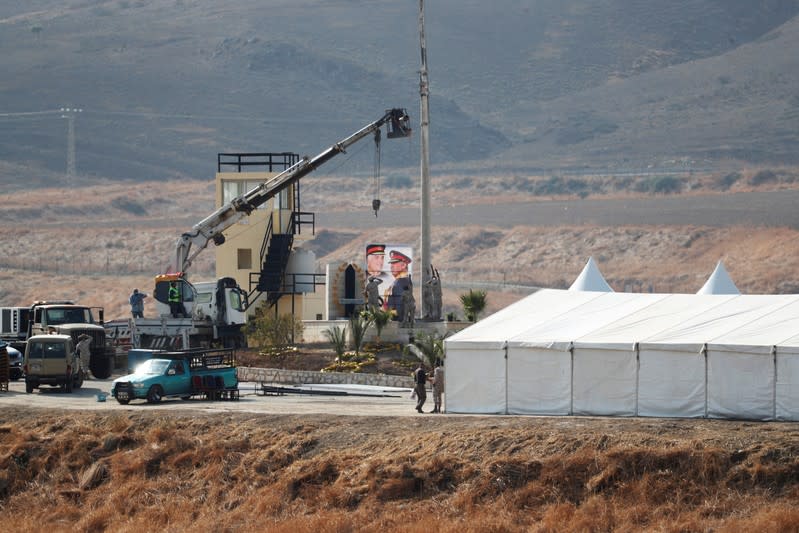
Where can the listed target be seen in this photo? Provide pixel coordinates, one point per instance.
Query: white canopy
(590, 279)
(719, 282)
(607, 353)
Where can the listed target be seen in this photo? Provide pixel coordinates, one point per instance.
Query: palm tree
(358, 326)
(474, 303)
(338, 338)
(378, 317)
(430, 346)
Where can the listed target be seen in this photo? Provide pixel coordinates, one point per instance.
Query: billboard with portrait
(390, 265)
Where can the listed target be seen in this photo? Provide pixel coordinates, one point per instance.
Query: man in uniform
(420, 384)
(392, 299)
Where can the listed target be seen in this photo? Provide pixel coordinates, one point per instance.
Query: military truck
(52, 360)
(64, 316)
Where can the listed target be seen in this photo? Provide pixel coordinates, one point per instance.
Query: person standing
(420, 381)
(137, 303)
(84, 352)
(438, 385)
(175, 307)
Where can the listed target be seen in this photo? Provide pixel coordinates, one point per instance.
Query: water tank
(300, 270)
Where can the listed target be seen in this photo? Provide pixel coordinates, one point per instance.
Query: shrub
(473, 302)
(729, 180)
(764, 176)
(338, 338)
(271, 333)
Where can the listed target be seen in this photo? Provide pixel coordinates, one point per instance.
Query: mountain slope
(166, 84)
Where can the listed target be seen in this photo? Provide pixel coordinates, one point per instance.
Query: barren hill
(164, 85)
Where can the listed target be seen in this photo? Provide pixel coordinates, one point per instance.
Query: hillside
(96, 244)
(164, 85)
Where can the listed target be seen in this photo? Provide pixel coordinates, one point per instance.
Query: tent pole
(704, 352)
(571, 381)
(774, 387)
(637, 374)
(506, 376)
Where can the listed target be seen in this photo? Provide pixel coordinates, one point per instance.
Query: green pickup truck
(210, 374)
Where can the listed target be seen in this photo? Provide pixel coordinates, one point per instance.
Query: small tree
(358, 326)
(474, 303)
(379, 318)
(338, 338)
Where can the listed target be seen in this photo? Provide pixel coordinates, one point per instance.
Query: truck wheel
(155, 394)
(123, 402)
(100, 365)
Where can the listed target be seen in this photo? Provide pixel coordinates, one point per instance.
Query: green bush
(338, 338)
(270, 333)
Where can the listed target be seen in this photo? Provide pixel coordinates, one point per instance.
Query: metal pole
(425, 179)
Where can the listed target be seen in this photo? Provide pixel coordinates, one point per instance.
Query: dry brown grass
(143, 471)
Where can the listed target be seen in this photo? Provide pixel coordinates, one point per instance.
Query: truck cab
(68, 318)
(52, 360)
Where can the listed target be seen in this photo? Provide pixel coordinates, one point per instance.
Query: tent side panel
(671, 384)
(539, 381)
(787, 386)
(740, 385)
(475, 381)
(604, 382)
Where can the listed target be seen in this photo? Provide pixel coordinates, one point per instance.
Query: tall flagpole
(425, 178)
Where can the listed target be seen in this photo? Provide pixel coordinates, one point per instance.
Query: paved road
(86, 398)
(773, 208)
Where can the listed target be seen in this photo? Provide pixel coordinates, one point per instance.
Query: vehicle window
(203, 297)
(36, 350)
(54, 351)
(178, 366)
(152, 366)
(236, 301)
(186, 291)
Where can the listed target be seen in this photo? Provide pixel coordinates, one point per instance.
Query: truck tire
(123, 402)
(155, 394)
(101, 366)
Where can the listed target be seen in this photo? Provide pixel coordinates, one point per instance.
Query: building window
(244, 258)
(232, 189)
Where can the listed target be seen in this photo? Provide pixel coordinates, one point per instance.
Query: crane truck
(215, 312)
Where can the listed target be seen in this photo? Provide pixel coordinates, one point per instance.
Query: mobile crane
(216, 311)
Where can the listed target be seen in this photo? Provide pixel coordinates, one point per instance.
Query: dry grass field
(136, 470)
(140, 471)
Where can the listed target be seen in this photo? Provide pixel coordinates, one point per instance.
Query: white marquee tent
(560, 352)
(719, 282)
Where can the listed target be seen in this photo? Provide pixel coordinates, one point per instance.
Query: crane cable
(376, 200)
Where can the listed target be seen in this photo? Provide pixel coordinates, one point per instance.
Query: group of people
(436, 378)
(176, 309)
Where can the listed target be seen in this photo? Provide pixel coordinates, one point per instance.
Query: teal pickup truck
(205, 373)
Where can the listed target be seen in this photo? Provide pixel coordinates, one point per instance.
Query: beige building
(267, 239)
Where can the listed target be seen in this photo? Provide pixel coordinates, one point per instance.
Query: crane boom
(193, 242)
